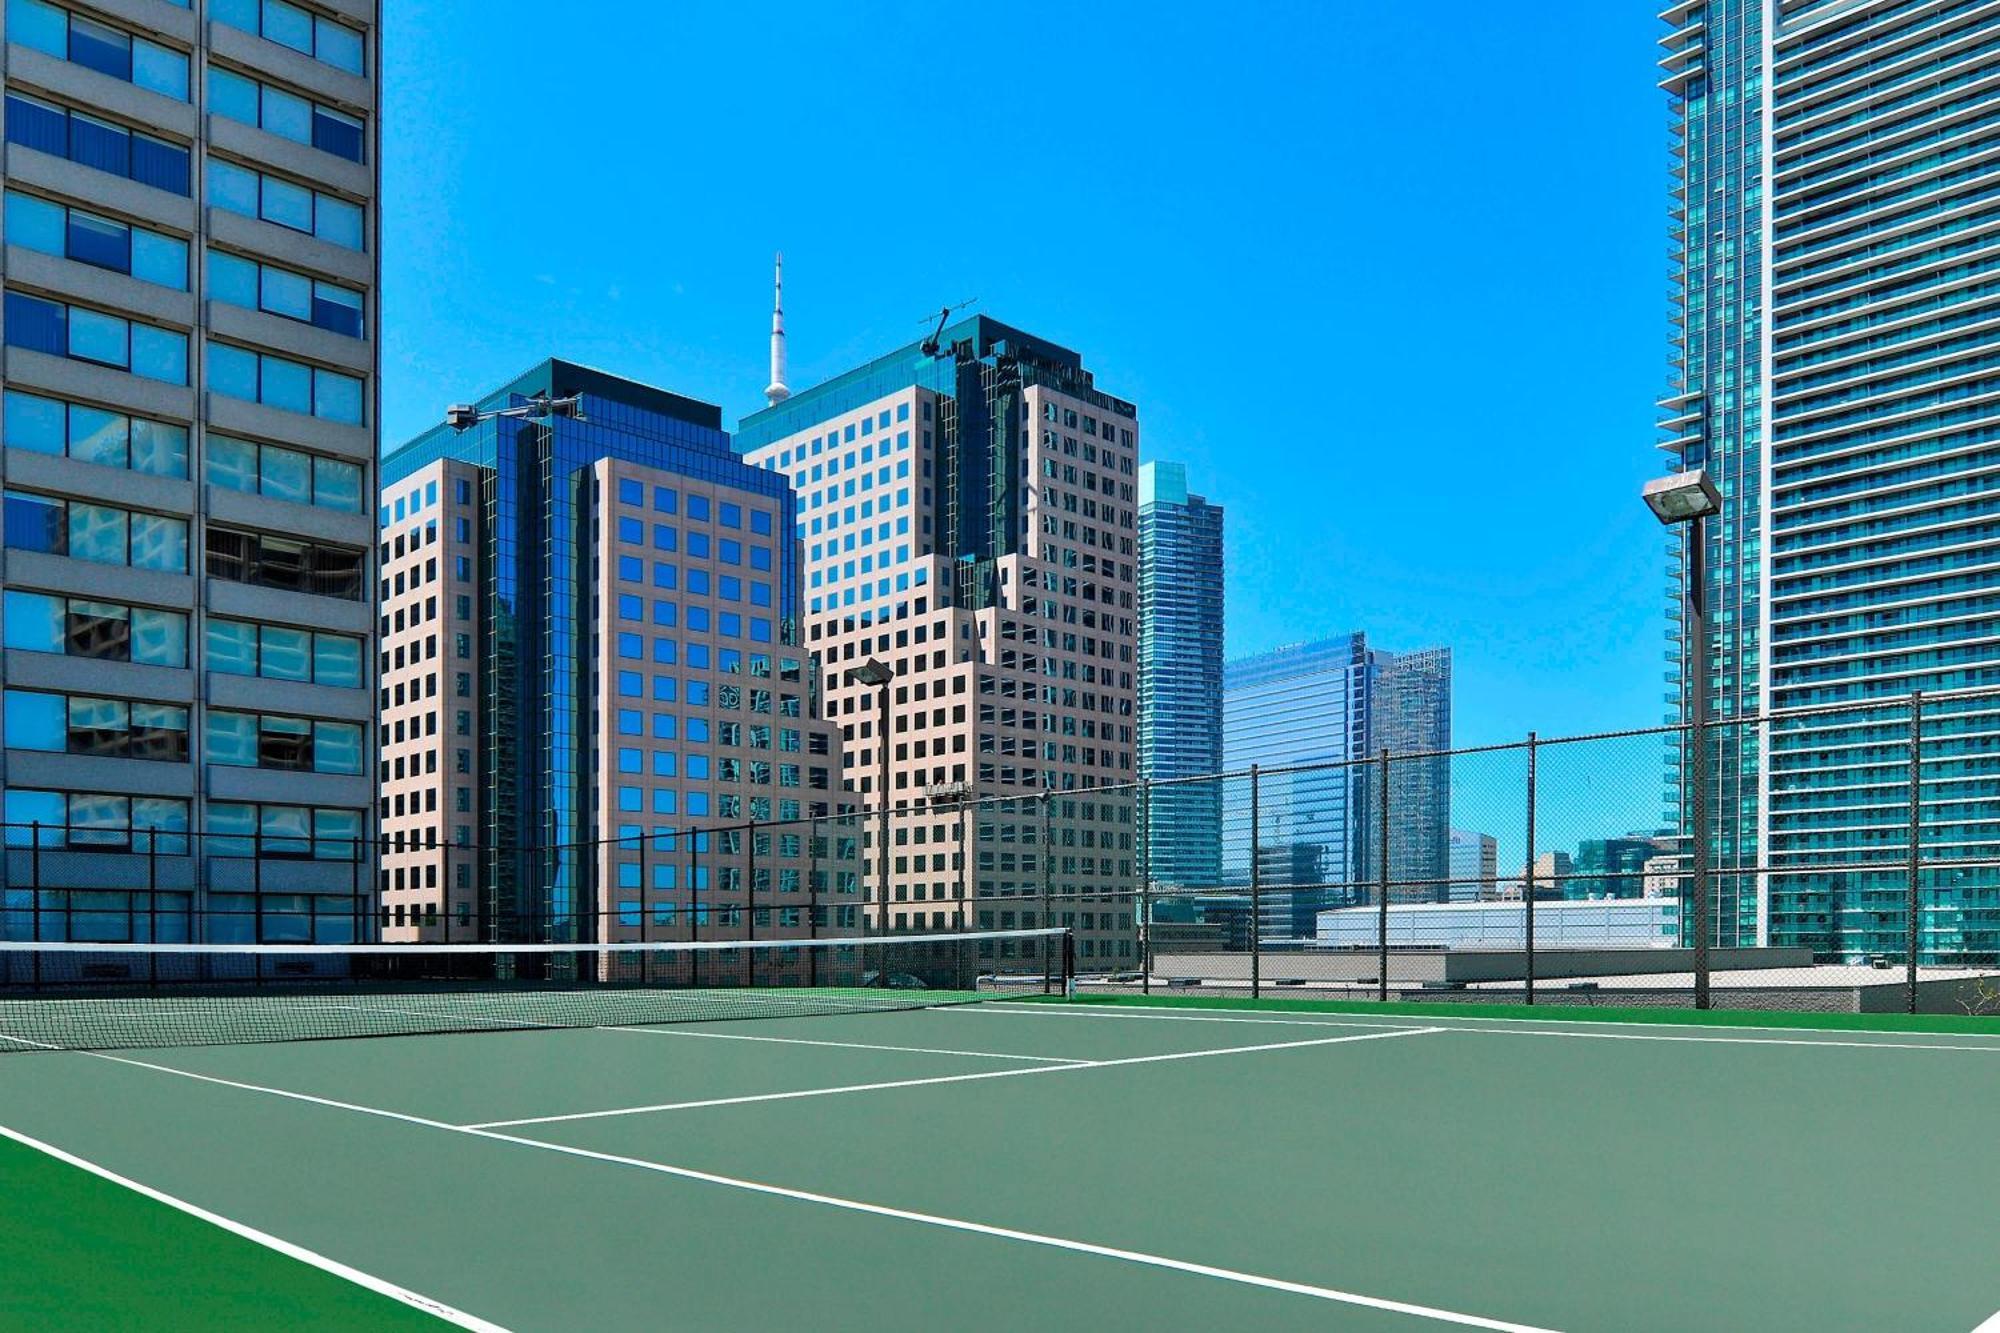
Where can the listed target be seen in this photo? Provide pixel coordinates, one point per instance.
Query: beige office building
(967, 516)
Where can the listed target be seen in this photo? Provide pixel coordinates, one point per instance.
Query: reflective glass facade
(1335, 702)
(1840, 387)
(1180, 675)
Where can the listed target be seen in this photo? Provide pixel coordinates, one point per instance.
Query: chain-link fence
(1851, 862)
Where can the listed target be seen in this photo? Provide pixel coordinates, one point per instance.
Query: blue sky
(1389, 278)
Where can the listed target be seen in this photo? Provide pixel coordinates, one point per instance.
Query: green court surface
(1012, 1165)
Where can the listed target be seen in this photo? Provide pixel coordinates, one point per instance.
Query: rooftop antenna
(930, 344)
(777, 391)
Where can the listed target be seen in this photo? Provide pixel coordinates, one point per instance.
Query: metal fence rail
(1850, 859)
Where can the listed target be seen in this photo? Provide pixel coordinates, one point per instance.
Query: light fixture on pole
(1689, 499)
(875, 674)
(464, 416)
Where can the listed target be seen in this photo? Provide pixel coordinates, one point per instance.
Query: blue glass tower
(1180, 675)
(1329, 706)
(1834, 355)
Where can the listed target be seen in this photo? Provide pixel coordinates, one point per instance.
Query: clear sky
(1389, 277)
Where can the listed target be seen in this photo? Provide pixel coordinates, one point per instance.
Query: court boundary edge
(288, 1249)
(1979, 1025)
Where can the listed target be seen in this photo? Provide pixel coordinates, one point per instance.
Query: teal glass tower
(1180, 675)
(1833, 368)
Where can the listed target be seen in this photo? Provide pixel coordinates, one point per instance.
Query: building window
(93, 435)
(279, 291)
(40, 622)
(282, 474)
(270, 740)
(108, 50)
(81, 724)
(101, 534)
(323, 39)
(287, 564)
(83, 334)
(84, 819)
(284, 114)
(274, 199)
(102, 242)
(278, 652)
(98, 144)
(274, 381)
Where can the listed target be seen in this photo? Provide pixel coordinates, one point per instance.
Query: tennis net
(82, 996)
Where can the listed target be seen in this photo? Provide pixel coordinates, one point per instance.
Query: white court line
(944, 1078)
(1452, 1025)
(380, 1286)
(669, 1031)
(1992, 1324)
(1333, 1294)
(1358, 1020)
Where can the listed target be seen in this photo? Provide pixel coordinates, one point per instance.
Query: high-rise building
(593, 689)
(1180, 676)
(190, 430)
(967, 509)
(1613, 867)
(1320, 713)
(1831, 346)
(1475, 866)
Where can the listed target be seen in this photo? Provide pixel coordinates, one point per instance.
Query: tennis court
(1020, 1163)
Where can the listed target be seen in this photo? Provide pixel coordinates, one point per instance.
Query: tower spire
(777, 391)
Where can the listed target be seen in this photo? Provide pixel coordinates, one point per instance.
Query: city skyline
(1312, 349)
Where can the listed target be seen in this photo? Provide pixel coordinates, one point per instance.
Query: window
(283, 474)
(270, 740)
(71, 233)
(99, 144)
(40, 622)
(98, 46)
(101, 534)
(283, 830)
(323, 39)
(284, 114)
(258, 195)
(288, 564)
(279, 291)
(92, 435)
(257, 377)
(82, 724)
(81, 819)
(82, 334)
(277, 652)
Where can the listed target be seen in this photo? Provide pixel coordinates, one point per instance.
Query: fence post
(1048, 894)
(1381, 887)
(35, 899)
(1146, 886)
(694, 905)
(1256, 893)
(1528, 888)
(1911, 935)
(750, 903)
(153, 907)
(964, 855)
(1703, 929)
(812, 899)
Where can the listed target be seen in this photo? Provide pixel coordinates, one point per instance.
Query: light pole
(464, 416)
(1688, 498)
(876, 675)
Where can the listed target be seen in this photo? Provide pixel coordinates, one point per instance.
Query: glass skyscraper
(1333, 705)
(1833, 369)
(1180, 676)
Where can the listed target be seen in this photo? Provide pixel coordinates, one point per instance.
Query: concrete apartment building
(598, 720)
(967, 512)
(190, 373)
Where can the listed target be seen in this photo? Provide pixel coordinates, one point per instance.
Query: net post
(1911, 935)
(1145, 886)
(750, 902)
(1256, 890)
(1069, 964)
(1382, 886)
(1528, 888)
(1048, 891)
